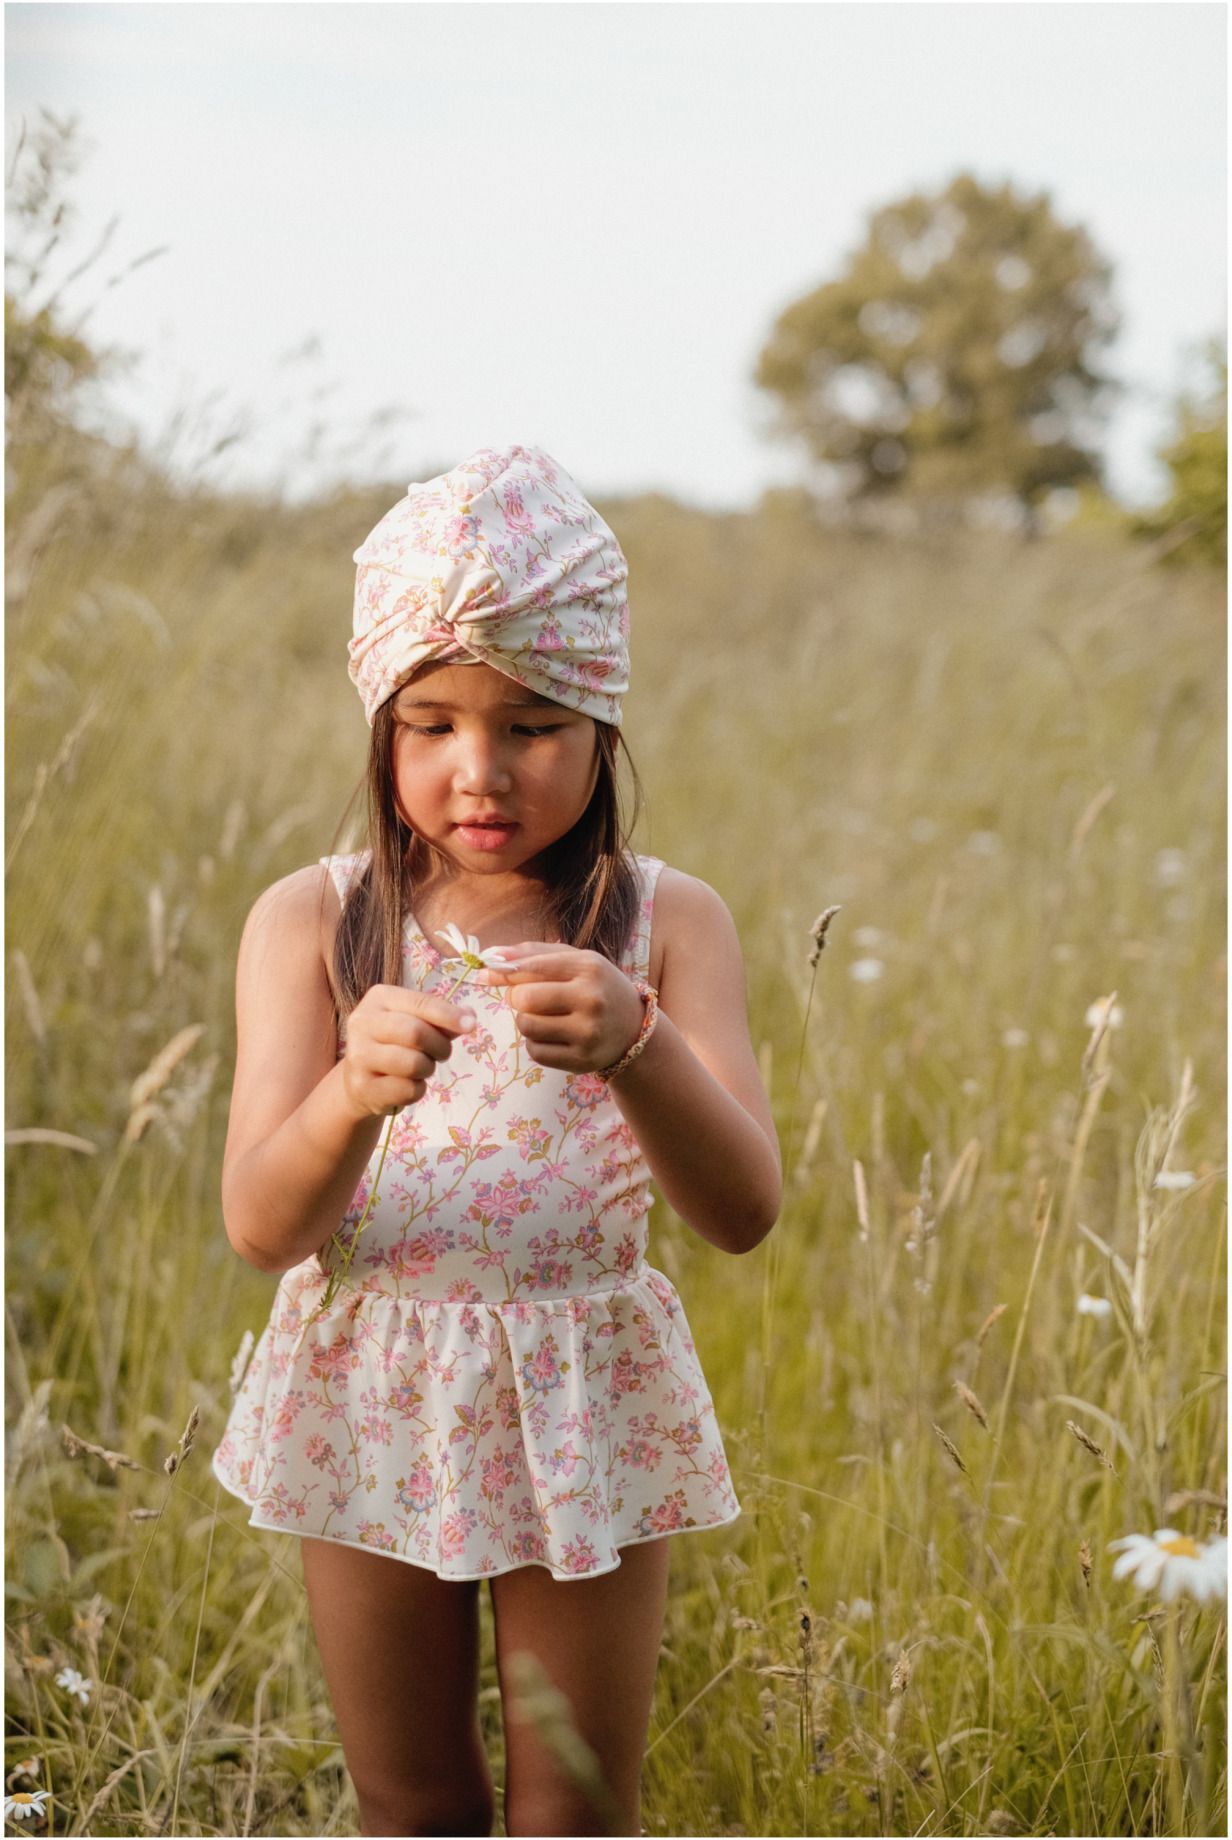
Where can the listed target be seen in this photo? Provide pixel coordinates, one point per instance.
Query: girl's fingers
(396, 1029)
(415, 1005)
(544, 1031)
(527, 963)
(542, 1000)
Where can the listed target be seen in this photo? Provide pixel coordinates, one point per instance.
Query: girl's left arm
(694, 1097)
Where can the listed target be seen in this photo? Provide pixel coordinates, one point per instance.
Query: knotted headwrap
(503, 561)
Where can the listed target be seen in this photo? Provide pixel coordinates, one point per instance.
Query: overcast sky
(574, 224)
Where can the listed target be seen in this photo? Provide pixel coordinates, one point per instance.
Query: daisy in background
(1172, 1563)
(73, 1682)
(24, 1806)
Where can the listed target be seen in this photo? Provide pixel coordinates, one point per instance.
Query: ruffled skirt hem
(491, 1571)
(476, 1438)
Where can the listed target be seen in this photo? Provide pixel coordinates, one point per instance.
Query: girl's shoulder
(301, 907)
(684, 914)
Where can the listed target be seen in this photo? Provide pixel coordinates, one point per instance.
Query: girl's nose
(482, 768)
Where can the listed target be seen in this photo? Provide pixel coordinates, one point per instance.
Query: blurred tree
(1192, 524)
(954, 358)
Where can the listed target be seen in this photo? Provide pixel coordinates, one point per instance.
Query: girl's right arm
(303, 1123)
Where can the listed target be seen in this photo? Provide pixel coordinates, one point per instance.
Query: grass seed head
(1088, 1443)
(817, 932)
(971, 1402)
(951, 1450)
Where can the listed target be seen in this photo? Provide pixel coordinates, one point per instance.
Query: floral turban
(500, 561)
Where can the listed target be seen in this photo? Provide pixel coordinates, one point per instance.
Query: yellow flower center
(475, 964)
(1184, 1547)
(24, 1797)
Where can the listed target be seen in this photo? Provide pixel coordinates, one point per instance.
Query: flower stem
(346, 1252)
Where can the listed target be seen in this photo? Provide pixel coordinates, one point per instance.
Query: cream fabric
(503, 558)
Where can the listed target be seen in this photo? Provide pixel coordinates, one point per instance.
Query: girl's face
(489, 773)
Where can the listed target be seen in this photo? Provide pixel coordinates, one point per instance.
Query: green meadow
(1003, 763)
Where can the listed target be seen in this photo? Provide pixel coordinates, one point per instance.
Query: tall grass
(1004, 765)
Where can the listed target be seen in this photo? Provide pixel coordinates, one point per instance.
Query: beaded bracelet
(650, 997)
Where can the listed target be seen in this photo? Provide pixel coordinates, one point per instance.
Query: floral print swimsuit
(501, 1379)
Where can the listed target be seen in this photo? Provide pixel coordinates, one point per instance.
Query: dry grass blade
(1088, 1443)
(30, 997)
(184, 1447)
(857, 1169)
(971, 1402)
(951, 1450)
(116, 1776)
(81, 1447)
(817, 933)
(151, 1082)
(1195, 1498)
(544, 1707)
(62, 1140)
(997, 1311)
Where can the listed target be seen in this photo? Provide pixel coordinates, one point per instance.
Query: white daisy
(1093, 1306)
(21, 1807)
(1099, 1010)
(73, 1682)
(466, 947)
(1172, 1563)
(1175, 1178)
(1014, 1038)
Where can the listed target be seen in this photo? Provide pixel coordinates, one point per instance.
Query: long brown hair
(592, 890)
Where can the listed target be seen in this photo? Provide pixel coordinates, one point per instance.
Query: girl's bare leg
(400, 1650)
(597, 1639)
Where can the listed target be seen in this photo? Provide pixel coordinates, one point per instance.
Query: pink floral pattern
(502, 559)
(502, 1380)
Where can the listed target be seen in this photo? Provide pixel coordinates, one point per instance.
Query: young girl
(444, 1144)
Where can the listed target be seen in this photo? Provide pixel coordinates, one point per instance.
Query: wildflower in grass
(865, 970)
(1173, 1563)
(73, 1682)
(1174, 1178)
(1170, 868)
(1103, 1012)
(1093, 1306)
(1014, 1038)
(466, 947)
(24, 1806)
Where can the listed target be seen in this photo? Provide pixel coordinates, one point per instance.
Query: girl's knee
(468, 1809)
(560, 1810)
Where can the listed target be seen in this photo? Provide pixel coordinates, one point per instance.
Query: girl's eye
(519, 728)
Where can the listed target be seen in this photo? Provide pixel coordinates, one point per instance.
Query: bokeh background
(892, 342)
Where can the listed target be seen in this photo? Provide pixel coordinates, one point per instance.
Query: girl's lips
(489, 836)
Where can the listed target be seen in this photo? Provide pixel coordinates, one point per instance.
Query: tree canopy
(956, 355)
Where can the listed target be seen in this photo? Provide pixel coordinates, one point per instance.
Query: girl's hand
(395, 1040)
(575, 1010)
